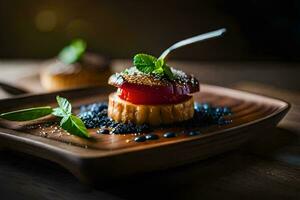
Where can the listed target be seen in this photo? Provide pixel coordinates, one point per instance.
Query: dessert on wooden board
(155, 120)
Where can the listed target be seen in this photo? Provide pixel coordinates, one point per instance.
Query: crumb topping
(134, 76)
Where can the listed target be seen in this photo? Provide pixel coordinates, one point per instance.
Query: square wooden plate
(108, 156)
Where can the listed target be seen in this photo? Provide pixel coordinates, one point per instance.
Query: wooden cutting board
(110, 156)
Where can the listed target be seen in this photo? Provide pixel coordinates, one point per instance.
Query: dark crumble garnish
(95, 116)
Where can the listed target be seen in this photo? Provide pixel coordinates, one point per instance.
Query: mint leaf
(64, 104)
(159, 63)
(149, 64)
(27, 114)
(69, 122)
(75, 126)
(162, 68)
(72, 53)
(64, 120)
(168, 72)
(144, 63)
(159, 71)
(59, 112)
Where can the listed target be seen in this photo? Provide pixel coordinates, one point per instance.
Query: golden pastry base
(123, 111)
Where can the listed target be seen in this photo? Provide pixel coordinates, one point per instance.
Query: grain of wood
(92, 159)
(259, 172)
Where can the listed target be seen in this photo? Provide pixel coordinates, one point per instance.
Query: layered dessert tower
(148, 98)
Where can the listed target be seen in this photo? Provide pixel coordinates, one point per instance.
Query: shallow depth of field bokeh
(257, 30)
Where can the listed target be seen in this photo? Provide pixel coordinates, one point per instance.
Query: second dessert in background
(75, 68)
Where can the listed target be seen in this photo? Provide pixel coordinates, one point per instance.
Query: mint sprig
(68, 121)
(150, 65)
(73, 52)
(64, 109)
(145, 63)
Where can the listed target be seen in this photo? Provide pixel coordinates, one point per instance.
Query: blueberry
(97, 107)
(218, 110)
(223, 121)
(226, 111)
(152, 137)
(141, 138)
(215, 118)
(169, 135)
(120, 128)
(197, 106)
(206, 111)
(193, 133)
(205, 106)
(142, 128)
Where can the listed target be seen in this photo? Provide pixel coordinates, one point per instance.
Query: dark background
(257, 30)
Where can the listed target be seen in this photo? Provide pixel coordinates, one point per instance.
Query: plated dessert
(74, 67)
(151, 98)
(151, 95)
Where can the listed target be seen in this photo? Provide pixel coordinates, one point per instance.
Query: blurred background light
(257, 30)
(46, 20)
(79, 28)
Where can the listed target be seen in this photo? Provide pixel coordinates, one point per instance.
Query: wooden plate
(109, 156)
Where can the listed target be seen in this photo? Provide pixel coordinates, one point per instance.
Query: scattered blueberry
(95, 116)
(205, 106)
(121, 128)
(193, 133)
(169, 135)
(218, 110)
(226, 111)
(94, 107)
(141, 138)
(152, 137)
(197, 106)
(142, 128)
(223, 121)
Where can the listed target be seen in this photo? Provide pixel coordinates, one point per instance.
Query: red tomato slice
(169, 90)
(152, 97)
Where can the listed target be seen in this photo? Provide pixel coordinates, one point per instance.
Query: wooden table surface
(268, 168)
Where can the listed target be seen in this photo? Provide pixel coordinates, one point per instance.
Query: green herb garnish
(150, 65)
(68, 122)
(27, 114)
(73, 52)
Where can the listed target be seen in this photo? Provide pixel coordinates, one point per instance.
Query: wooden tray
(110, 156)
